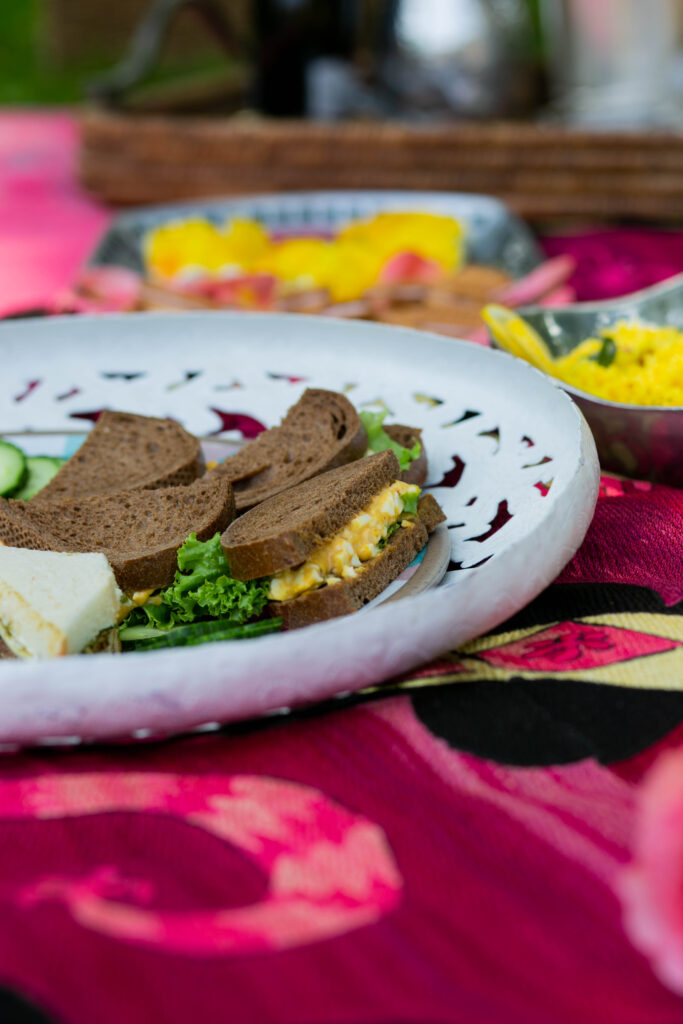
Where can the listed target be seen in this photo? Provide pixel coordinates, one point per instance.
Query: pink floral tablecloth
(452, 853)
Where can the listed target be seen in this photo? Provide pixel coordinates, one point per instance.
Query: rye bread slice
(283, 531)
(138, 531)
(5, 652)
(416, 473)
(337, 599)
(321, 431)
(126, 451)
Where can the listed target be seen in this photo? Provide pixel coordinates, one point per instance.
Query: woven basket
(543, 172)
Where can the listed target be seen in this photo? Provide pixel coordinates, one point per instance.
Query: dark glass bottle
(289, 35)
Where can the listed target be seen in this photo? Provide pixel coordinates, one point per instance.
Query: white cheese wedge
(55, 603)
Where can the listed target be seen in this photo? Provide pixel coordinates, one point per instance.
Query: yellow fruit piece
(355, 269)
(518, 337)
(426, 234)
(246, 242)
(173, 248)
(347, 266)
(304, 262)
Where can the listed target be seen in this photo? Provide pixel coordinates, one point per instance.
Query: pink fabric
(47, 225)
(652, 520)
(471, 894)
(611, 263)
(652, 886)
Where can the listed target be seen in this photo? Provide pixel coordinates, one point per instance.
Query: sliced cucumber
(40, 470)
(201, 633)
(12, 467)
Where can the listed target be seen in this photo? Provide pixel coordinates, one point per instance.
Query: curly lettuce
(379, 440)
(202, 588)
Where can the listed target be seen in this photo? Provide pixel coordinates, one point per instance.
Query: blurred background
(591, 62)
(571, 111)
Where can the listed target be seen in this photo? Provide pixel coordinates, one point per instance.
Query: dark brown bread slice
(320, 432)
(126, 451)
(343, 598)
(5, 651)
(138, 531)
(286, 529)
(430, 512)
(416, 473)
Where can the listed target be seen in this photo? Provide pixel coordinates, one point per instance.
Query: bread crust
(5, 652)
(430, 512)
(416, 473)
(320, 432)
(139, 532)
(127, 451)
(348, 596)
(283, 531)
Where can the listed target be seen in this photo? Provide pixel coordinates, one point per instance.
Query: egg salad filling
(342, 557)
(136, 600)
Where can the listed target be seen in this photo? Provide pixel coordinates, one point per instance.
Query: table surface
(450, 852)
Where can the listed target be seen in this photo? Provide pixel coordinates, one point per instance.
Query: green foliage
(25, 76)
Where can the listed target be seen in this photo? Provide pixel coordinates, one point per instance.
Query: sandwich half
(138, 531)
(333, 543)
(126, 451)
(321, 431)
(53, 604)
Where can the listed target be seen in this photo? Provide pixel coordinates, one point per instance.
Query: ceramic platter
(510, 459)
(493, 234)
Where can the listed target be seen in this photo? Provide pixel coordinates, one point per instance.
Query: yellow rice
(647, 368)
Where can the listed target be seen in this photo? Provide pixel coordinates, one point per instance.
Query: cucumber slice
(40, 470)
(12, 467)
(200, 633)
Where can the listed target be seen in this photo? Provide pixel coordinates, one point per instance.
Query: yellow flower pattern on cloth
(347, 265)
(642, 366)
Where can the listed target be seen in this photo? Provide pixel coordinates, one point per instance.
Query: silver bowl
(643, 441)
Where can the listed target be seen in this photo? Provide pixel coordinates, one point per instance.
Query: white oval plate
(511, 461)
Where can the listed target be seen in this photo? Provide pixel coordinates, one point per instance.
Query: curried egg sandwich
(331, 544)
(54, 603)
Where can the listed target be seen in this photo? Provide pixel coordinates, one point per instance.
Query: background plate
(495, 236)
(511, 461)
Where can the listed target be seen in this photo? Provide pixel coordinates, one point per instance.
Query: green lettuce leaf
(390, 533)
(410, 501)
(379, 440)
(202, 588)
(156, 616)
